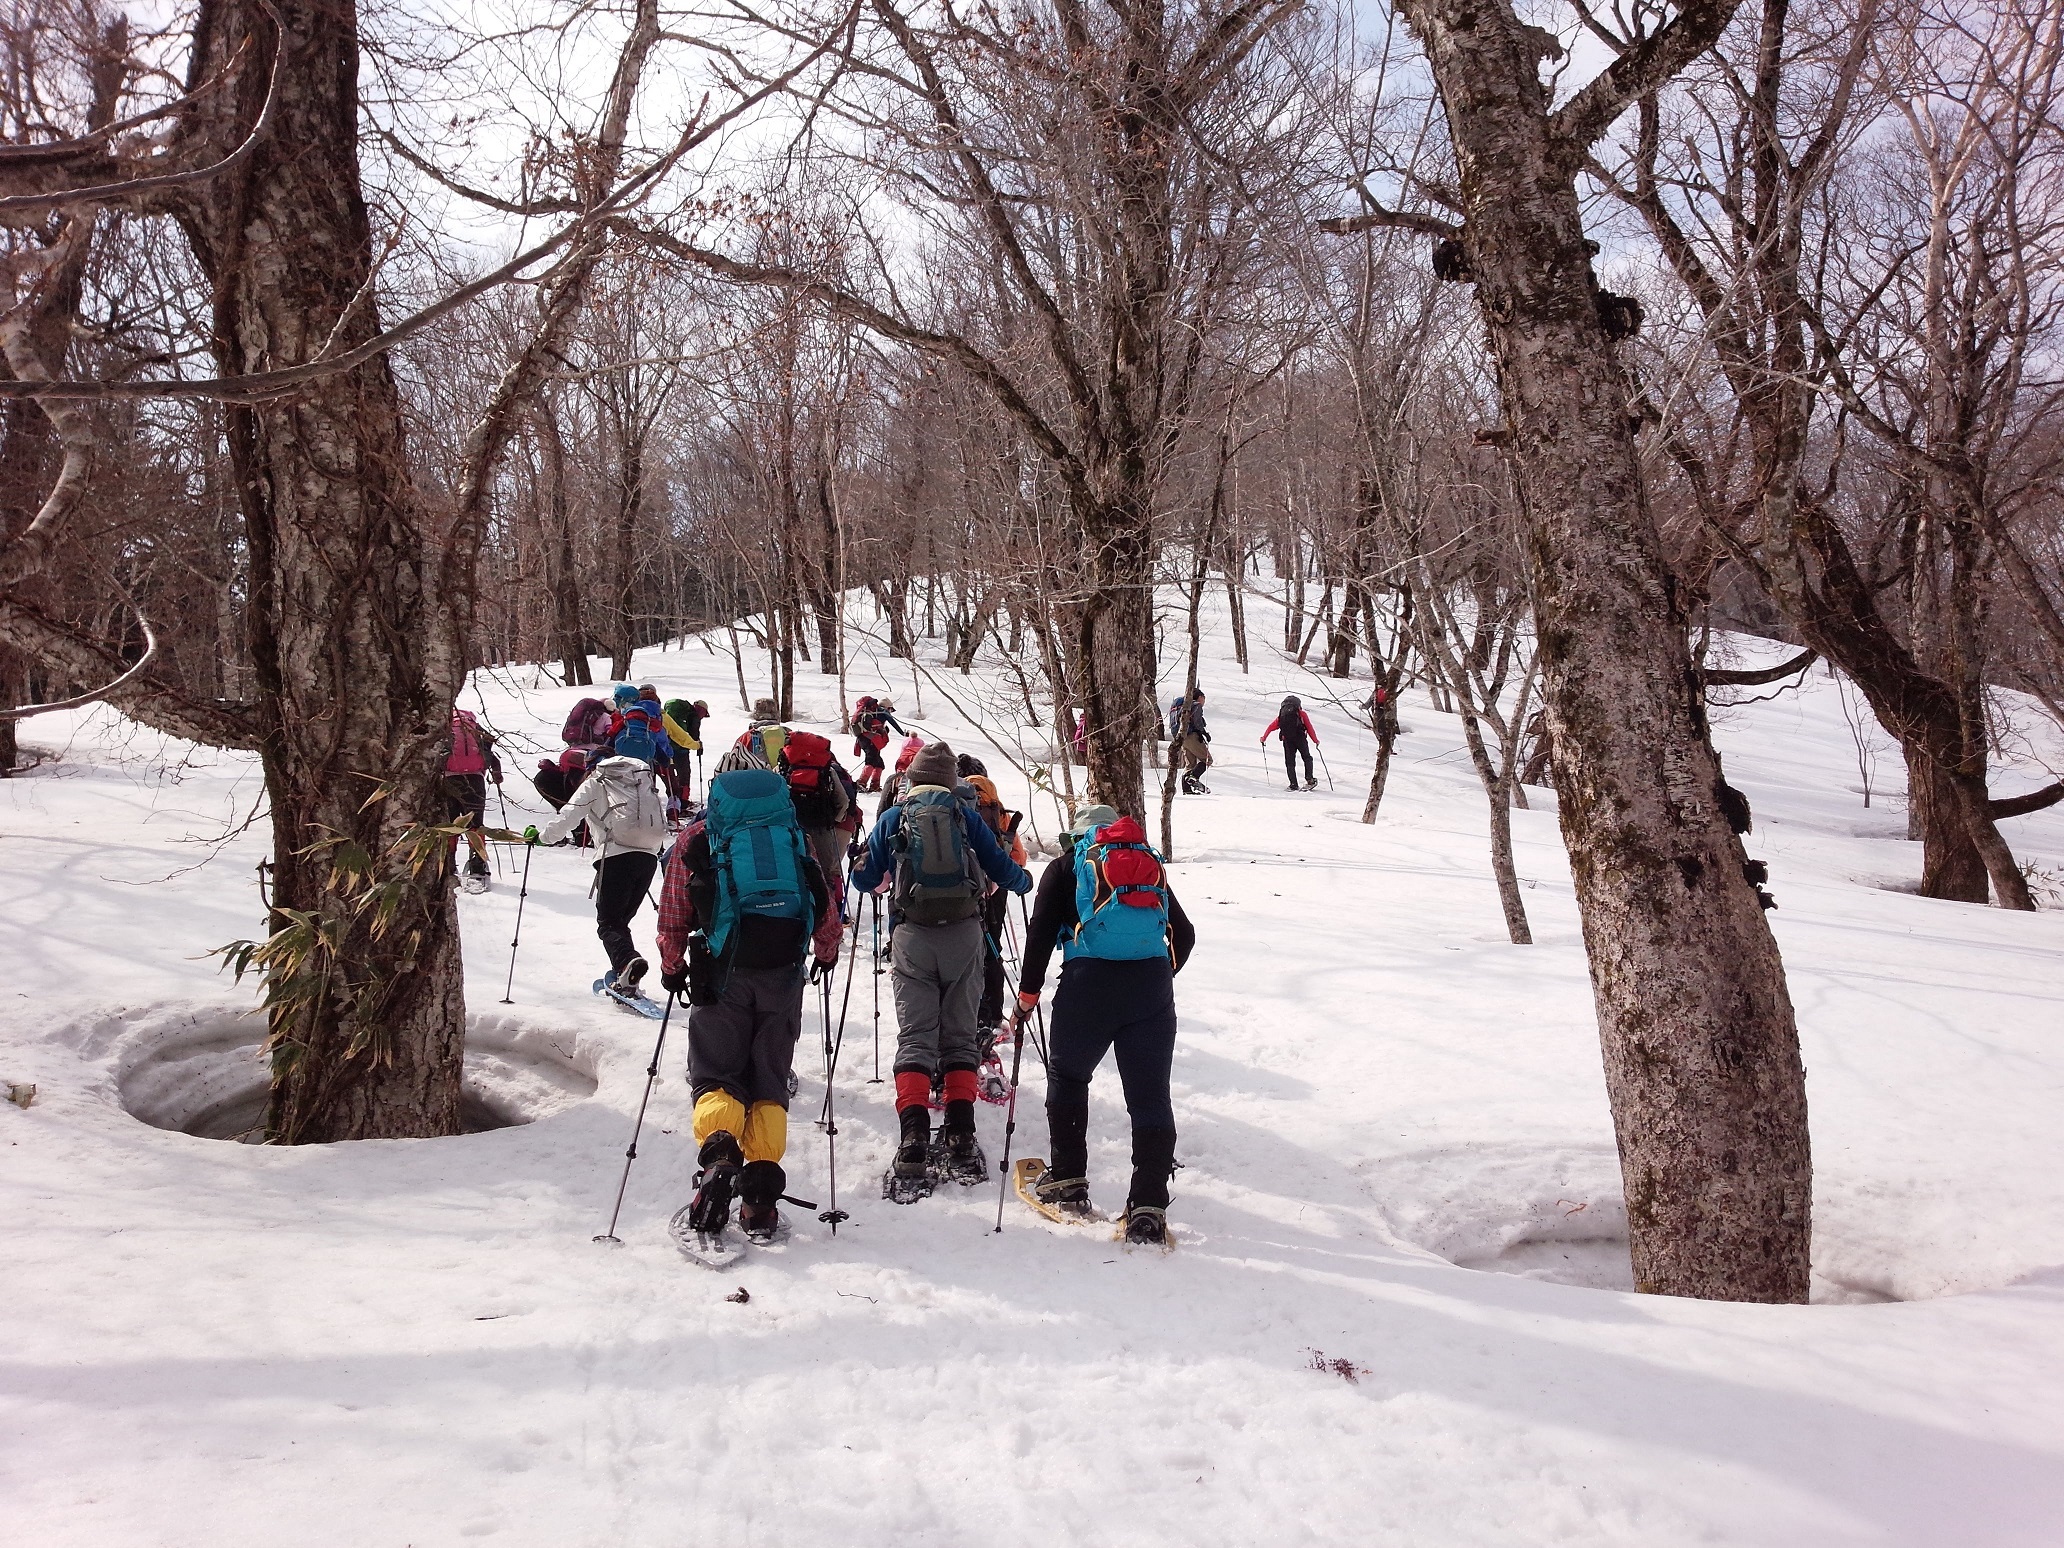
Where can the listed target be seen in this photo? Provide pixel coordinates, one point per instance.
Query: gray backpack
(937, 880)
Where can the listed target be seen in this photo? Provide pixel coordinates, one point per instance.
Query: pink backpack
(467, 757)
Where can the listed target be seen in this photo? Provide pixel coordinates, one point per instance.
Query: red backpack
(806, 761)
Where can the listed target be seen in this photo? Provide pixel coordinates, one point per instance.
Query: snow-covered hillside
(1395, 1316)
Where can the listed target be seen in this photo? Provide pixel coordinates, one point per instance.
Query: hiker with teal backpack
(933, 850)
(1123, 938)
(743, 908)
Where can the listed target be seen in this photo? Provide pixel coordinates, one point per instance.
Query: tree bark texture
(1700, 1048)
(343, 628)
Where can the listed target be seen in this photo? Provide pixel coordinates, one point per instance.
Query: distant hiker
(899, 782)
(995, 902)
(588, 724)
(873, 720)
(934, 850)
(1299, 737)
(1382, 707)
(621, 804)
(683, 722)
(742, 903)
(556, 782)
(1190, 740)
(552, 783)
(1123, 938)
(1078, 739)
(467, 766)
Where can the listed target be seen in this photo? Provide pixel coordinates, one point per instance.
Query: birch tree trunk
(353, 725)
(1701, 1052)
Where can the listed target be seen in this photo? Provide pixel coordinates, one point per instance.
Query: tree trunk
(630, 503)
(353, 723)
(1951, 866)
(569, 638)
(1700, 1048)
(1115, 666)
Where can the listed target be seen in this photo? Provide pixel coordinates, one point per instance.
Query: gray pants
(745, 1043)
(937, 980)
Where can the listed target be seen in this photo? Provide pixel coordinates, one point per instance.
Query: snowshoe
(605, 986)
(956, 1156)
(1311, 784)
(990, 1083)
(711, 1249)
(899, 1189)
(1064, 1201)
(910, 1176)
(1142, 1225)
(472, 883)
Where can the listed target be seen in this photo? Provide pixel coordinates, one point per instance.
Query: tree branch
(2022, 805)
(143, 695)
(1646, 67)
(1404, 220)
(1727, 677)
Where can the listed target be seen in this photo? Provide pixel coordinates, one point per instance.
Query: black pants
(1291, 750)
(620, 883)
(1127, 1008)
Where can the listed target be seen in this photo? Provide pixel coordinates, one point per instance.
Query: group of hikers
(759, 882)
(762, 876)
(1189, 740)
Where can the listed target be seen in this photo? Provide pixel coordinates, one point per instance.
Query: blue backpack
(758, 851)
(936, 877)
(1121, 897)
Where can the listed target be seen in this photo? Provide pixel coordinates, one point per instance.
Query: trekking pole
(522, 893)
(833, 1045)
(875, 898)
(1322, 764)
(834, 1214)
(1010, 1118)
(651, 1074)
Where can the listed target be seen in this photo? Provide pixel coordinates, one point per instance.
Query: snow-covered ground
(1396, 1315)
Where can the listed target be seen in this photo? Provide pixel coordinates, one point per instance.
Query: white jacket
(621, 804)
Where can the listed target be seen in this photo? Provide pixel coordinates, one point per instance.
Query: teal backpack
(1121, 897)
(758, 851)
(936, 879)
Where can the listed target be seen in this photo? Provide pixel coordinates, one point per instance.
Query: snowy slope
(417, 1343)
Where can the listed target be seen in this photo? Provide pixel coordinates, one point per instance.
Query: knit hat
(1091, 818)
(625, 694)
(934, 766)
(969, 765)
(763, 710)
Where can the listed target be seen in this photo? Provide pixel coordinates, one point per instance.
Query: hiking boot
(630, 975)
(1145, 1226)
(1069, 1195)
(760, 1186)
(1311, 784)
(720, 1162)
(912, 1152)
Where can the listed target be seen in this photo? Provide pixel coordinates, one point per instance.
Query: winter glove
(1027, 1004)
(675, 980)
(531, 834)
(821, 970)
